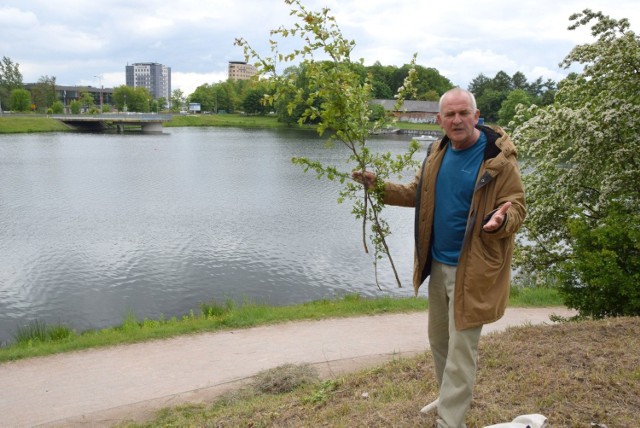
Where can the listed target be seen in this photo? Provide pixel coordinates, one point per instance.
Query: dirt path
(104, 386)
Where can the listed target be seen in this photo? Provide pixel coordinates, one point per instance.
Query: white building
(151, 75)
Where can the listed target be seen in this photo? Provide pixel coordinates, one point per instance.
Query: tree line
(497, 96)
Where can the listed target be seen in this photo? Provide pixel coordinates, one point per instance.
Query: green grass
(534, 297)
(13, 124)
(234, 120)
(38, 339)
(25, 124)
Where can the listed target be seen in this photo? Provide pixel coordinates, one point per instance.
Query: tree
(44, 93)
(254, 99)
(479, 84)
(20, 100)
(205, 96)
(428, 82)
(582, 155)
(135, 99)
(508, 108)
(10, 79)
(491, 93)
(178, 100)
(381, 78)
(337, 96)
(57, 107)
(489, 103)
(160, 104)
(74, 107)
(86, 100)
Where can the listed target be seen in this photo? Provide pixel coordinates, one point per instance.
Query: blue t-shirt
(454, 191)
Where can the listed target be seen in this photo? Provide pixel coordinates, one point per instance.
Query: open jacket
(484, 269)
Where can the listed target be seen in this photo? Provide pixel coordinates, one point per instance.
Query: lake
(94, 227)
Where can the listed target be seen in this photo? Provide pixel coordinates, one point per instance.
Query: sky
(83, 42)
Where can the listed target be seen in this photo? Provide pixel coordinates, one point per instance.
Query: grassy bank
(10, 124)
(38, 339)
(234, 120)
(577, 374)
(266, 122)
(25, 124)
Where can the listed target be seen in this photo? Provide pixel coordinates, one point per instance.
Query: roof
(410, 105)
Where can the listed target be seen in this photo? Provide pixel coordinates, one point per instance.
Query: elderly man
(469, 203)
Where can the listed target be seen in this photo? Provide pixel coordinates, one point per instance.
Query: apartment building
(240, 70)
(151, 75)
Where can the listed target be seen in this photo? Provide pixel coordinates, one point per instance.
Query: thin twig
(384, 243)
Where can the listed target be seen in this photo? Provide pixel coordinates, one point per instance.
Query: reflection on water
(93, 227)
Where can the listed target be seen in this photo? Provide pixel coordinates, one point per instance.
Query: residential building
(240, 70)
(151, 75)
(66, 94)
(412, 111)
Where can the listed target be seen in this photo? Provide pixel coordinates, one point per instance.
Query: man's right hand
(368, 180)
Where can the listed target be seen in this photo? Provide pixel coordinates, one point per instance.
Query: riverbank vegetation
(564, 372)
(10, 124)
(13, 124)
(38, 338)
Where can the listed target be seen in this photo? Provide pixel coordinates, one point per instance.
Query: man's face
(458, 120)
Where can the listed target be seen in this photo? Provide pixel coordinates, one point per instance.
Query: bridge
(150, 123)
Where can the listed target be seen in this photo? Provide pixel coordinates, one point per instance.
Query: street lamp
(100, 77)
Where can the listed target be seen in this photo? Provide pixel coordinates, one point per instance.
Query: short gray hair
(472, 99)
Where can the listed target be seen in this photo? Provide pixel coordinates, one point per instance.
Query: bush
(603, 276)
(57, 107)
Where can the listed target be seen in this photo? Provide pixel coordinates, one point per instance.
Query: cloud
(75, 40)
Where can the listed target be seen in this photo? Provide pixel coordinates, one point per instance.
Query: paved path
(104, 386)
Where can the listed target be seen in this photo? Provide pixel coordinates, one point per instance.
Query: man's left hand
(496, 220)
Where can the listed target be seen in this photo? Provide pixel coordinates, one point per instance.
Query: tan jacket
(484, 268)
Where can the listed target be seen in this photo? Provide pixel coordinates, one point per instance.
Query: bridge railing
(124, 117)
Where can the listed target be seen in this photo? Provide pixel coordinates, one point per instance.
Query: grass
(38, 339)
(25, 124)
(12, 124)
(577, 374)
(235, 120)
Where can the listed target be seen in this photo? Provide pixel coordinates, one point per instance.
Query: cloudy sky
(83, 42)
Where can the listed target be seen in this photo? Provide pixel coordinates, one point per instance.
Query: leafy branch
(330, 93)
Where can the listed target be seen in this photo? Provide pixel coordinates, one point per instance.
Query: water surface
(94, 227)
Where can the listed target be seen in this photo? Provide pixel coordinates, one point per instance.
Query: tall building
(151, 75)
(240, 70)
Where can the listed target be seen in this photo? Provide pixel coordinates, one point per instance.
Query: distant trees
(20, 100)
(86, 101)
(178, 100)
(247, 95)
(10, 79)
(491, 93)
(43, 93)
(127, 98)
(57, 107)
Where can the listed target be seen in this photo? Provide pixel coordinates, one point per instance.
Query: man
(469, 202)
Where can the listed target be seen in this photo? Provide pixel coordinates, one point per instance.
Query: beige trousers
(455, 352)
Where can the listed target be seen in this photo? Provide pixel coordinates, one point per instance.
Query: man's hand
(496, 220)
(369, 179)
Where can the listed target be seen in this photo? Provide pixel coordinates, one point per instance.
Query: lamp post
(99, 76)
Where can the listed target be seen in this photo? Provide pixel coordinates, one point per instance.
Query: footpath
(101, 387)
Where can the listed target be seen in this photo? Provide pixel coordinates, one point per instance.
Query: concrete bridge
(150, 123)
